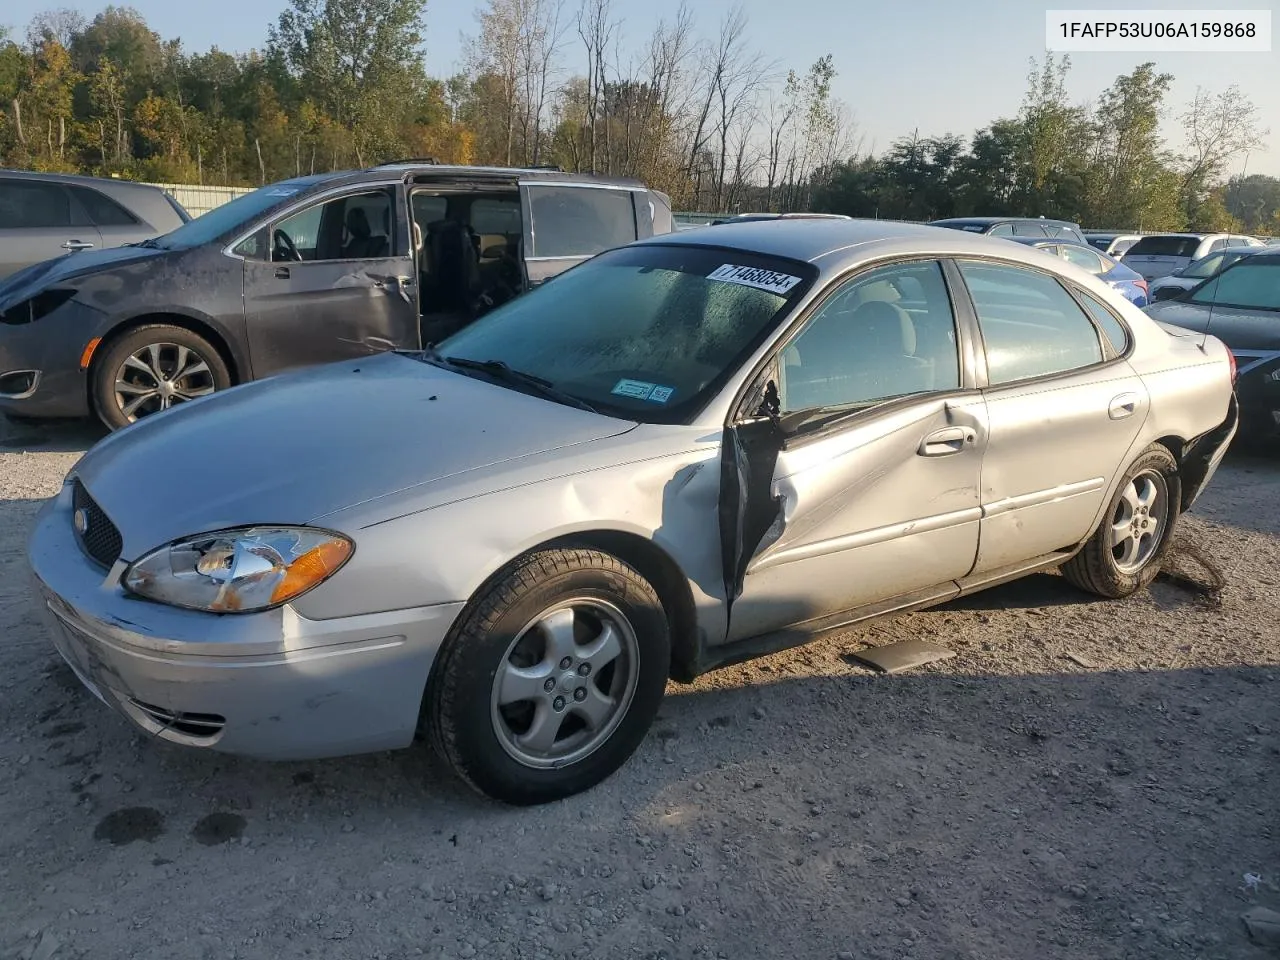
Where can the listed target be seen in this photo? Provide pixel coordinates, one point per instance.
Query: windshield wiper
(499, 370)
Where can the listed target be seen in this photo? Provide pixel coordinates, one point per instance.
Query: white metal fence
(199, 199)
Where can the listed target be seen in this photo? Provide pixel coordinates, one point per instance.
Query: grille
(99, 538)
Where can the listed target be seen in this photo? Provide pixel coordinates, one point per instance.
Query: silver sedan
(680, 454)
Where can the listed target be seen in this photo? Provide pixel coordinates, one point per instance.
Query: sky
(936, 65)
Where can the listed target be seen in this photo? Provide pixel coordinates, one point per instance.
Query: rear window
(1164, 247)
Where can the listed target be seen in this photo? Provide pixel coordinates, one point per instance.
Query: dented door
(885, 506)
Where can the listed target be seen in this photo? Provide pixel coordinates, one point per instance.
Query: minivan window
(579, 221)
(1030, 325)
(102, 210)
(680, 320)
(1164, 247)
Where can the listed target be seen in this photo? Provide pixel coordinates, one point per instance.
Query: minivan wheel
(1125, 552)
(153, 368)
(551, 677)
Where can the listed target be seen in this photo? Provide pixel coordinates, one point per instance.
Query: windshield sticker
(756, 277)
(642, 390)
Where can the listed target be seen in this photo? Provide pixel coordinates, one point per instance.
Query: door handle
(1123, 406)
(400, 283)
(947, 441)
(282, 273)
(76, 245)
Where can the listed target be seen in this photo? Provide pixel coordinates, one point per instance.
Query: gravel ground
(1084, 780)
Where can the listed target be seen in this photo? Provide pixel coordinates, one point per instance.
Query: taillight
(1142, 285)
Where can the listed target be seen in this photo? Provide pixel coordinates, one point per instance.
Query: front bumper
(50, 347)
(272, 685)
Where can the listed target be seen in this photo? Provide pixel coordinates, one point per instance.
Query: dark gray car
(301, 272)
(47, 215)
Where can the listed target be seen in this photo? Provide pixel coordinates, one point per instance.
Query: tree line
(707, 117)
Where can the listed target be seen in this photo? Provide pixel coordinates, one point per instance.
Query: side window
(1083, 258)
(253, 247)
(1030, 325)
(579, 221)
(102, 210)
(1002, 230)
(888, 333)
(354, 227)
(1027, 229)
(28, 204)
(1115, 330)
(1217, 245)
(494, 216)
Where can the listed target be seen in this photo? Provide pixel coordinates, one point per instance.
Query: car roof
(429, 171)
(79, 179)
(835, 244)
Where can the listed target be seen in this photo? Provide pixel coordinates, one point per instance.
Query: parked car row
(690, 450)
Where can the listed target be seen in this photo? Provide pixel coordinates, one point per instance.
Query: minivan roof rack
(424, 160)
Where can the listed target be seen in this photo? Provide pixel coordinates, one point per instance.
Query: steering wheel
(284, 246)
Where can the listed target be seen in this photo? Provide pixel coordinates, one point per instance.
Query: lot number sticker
(643, 390)
(756, 277)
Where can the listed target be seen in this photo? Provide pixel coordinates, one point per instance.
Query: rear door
(330, 281)
(824, 515)
(39, 221)
(566, 223)
(116, 225)
(1064, 411)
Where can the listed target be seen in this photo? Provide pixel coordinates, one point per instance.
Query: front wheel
(153, 368)
(552, 676)
(1125, 552)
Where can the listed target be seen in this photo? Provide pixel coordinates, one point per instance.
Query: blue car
(1131, 284)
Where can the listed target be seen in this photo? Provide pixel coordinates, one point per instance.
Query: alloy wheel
(1139, 522)
(155, 377)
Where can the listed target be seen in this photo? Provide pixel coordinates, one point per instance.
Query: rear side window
(1250, 283)
(1164, 247)
(1030, 230)
(1106, 320)
(580, 221)
(1031, 326)
(492, 216)
(102, 210)
(1003, 230)
(29, 204)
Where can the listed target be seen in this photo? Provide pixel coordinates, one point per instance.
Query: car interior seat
(363, 244)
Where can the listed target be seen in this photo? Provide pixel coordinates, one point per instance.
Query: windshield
(645, 332)
(1164, 247)
(230, 215)
(1205, 266)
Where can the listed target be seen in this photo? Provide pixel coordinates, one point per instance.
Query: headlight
(239, 571)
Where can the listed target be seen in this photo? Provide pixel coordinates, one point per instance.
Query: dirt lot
(1011, 802)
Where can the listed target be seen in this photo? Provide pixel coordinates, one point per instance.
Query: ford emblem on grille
(80, 520)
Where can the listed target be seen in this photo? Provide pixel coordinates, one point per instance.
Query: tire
(1111, 571)
(548, 612)
(170, 345)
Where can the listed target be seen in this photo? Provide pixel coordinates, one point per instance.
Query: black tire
(106, 399)
(461, 704)
(1096, 568)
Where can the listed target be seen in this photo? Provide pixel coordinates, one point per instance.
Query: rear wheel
(153, 368)
(551, 677)
(1125, 552)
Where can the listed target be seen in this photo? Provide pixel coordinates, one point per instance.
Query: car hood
(291, 449)
(31, 280)
(1239, 329)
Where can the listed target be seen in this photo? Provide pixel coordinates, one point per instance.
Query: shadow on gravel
(53, 436)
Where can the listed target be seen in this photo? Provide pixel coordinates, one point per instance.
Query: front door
(332, 281)
(1064, 412)
(39, 221)
(864, 485)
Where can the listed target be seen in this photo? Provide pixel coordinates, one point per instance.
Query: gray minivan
(47, 215)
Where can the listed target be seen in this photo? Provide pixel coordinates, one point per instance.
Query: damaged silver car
(677, 455)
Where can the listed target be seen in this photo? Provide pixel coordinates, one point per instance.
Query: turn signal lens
(312, 568)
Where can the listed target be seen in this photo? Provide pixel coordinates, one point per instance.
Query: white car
(1161, 254)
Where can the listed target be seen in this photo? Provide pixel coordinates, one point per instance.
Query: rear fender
(1201, 457)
